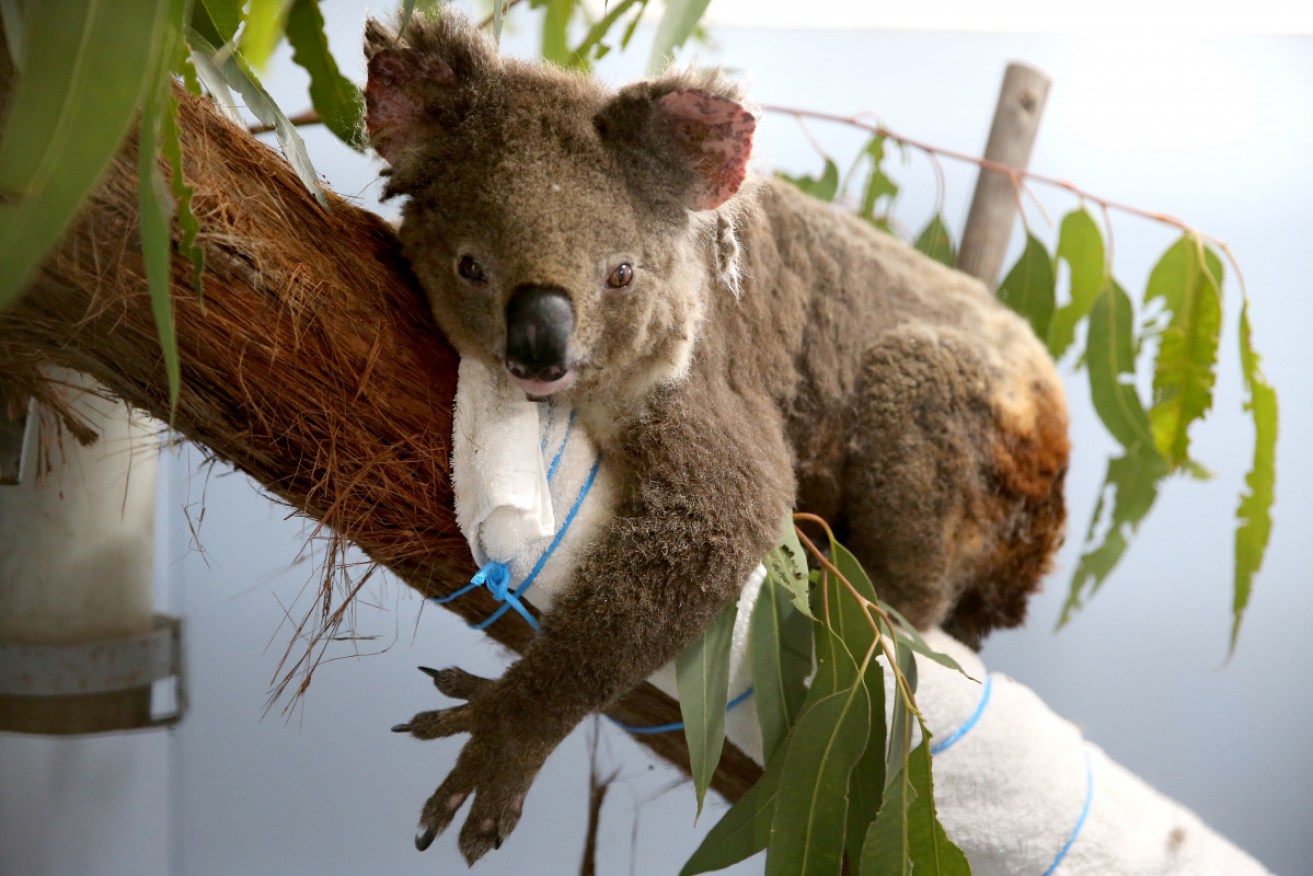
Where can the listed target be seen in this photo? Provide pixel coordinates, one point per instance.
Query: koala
(734, 348)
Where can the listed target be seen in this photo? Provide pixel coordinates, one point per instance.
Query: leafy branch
(821, 740)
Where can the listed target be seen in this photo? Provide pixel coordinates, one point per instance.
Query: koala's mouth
(539, 390)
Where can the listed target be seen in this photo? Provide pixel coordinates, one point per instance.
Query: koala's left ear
(418, 85)
(688, 143)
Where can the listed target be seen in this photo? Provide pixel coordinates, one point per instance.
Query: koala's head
(560, 229)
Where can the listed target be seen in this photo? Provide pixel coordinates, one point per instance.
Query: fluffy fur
(768, 353)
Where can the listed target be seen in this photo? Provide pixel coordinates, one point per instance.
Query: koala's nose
(539, 321)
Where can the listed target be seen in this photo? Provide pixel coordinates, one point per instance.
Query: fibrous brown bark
(312, 364)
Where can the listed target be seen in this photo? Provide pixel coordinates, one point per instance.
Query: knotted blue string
(496, 576)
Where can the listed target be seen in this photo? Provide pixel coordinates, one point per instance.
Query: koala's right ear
(420, 84)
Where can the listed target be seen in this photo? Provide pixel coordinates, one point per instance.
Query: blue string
(970, 722)
(1080, 822)
(678, 725)
(560, 451)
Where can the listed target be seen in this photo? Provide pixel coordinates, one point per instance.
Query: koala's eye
(622, 276)
(468, 268)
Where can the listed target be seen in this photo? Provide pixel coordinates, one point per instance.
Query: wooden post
(994, 206)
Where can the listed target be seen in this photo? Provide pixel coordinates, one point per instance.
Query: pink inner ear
(716, 132)
(394, 95)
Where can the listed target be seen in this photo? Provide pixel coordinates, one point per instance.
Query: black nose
(539, 321)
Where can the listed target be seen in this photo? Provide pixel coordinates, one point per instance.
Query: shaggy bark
(312, 364)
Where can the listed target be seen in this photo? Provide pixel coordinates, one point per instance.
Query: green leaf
(1028, 289)
(676, 26)
(915, 835)
(823, 188)
(258, 101)
(812, 804)
(1110, 358)
(498, 17)
(786, 565)
(867, 782)
(1080, 245)
(878, 184)
(556, 21)
(744, 830)
(781, 654)
(265, 20)
(1255, 511)
(581, 57)
(337, 100)
(1187, 280)
(887, 848)
(12, 13)
(935, 241)
(86, 66)
(155, 201)
(702, 675)
(1132, 484)
(900, 722)
(217, 20)
(171, 149)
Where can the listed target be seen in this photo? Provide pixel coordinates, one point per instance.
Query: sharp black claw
(400, 728)
(496, 844)
(430, 671)
(425, 839)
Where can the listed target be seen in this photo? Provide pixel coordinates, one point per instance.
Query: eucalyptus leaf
(823, 188)
(1187, 280)
(878, 184)
(900, 723)
(786, 565)
(1254, 513)
(867, 782)
(1132, 481)
(677, 24)
(886, 849)
(258, 101)
(12, 13)
(744, 830)
(779, 646)
(1028, 288)
(86, 66)
(498, 17)
(812, 805)
(218, 20)
(915, 831)
(336, 99)
(155, 202)
(702, 675)
(1080, 245)
(555, 46)
(265, 20)
(581, 57)
(935, 241)
(188, 226)
(1110, 359)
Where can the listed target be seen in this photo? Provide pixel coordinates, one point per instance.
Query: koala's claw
(456, 683)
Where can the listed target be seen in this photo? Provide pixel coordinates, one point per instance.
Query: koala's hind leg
(953, 480)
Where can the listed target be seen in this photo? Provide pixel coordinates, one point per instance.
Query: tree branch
(312, 364)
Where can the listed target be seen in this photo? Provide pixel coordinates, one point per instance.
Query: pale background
(1213, 126)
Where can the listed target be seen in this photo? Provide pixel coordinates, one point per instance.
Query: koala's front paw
(491, 766)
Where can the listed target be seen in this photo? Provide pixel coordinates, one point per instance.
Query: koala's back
(926, 419)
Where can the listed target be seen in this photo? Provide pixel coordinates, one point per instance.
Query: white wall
(1215, 130)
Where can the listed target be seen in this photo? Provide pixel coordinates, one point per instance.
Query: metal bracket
(105, 666)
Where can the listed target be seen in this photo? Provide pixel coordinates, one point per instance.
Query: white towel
(1017, 787)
